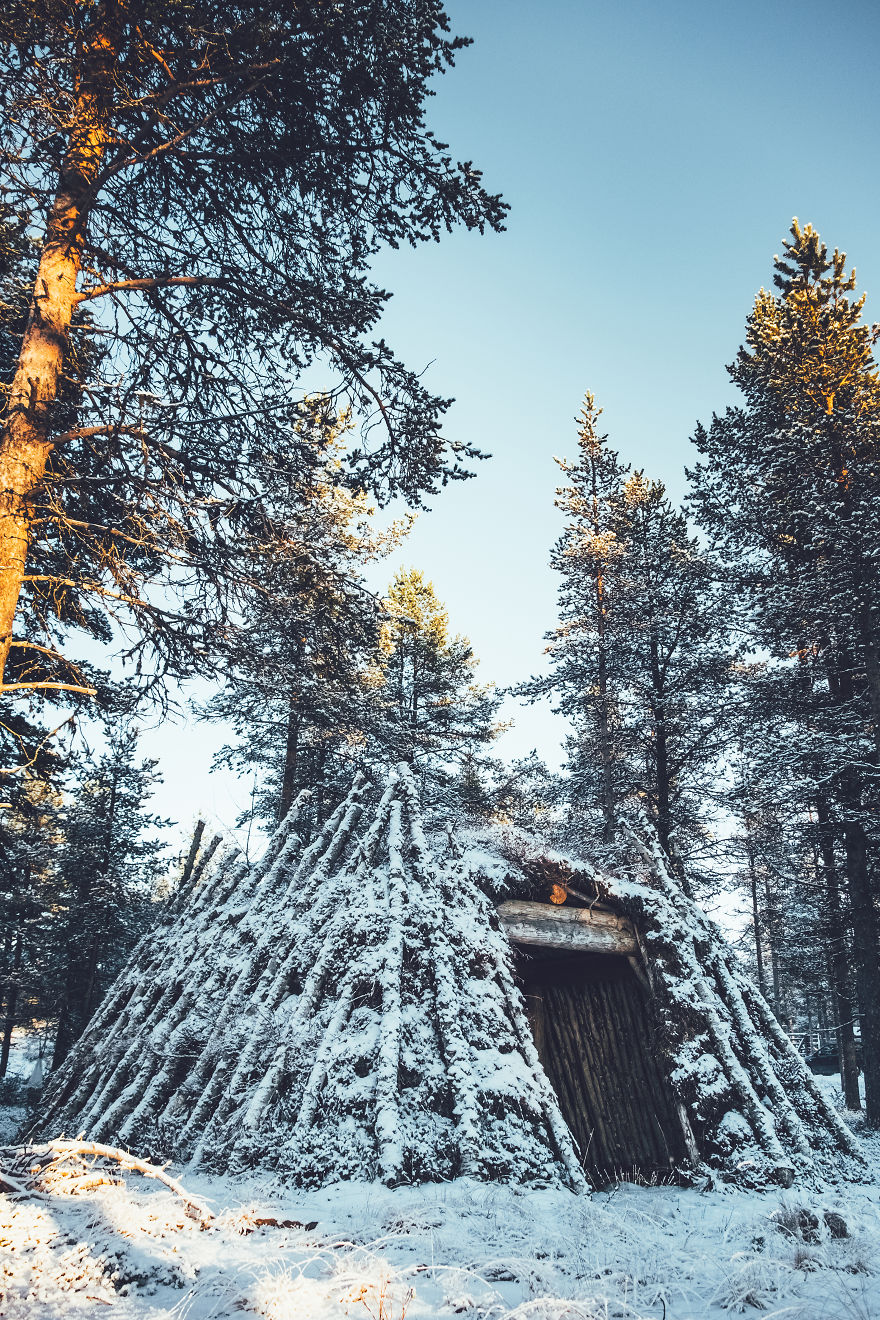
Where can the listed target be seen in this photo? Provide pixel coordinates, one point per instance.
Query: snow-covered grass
(461, 1248)
(483, 1252)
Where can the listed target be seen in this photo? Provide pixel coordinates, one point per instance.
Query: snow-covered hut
(345, 1012)
(363, 1009)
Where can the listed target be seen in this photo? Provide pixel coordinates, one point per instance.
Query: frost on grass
(480, 1250)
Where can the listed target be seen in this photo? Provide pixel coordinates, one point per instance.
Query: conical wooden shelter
(361, 1009)
(346, 1012)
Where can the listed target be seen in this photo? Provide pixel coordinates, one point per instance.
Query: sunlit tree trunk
(26, 440)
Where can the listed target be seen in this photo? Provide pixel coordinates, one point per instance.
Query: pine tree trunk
(866, 956)
(660, 745)
(291, 755)
(838, 962)
(662, 772)
(774, 951)
(11, 1003)
(609, 811)
(756, 918)
(863, 910)
(82, 984)
(319, 785)
(74, 1009)
(870, 654)
(25, 443)
(6, 983)
(82, 956)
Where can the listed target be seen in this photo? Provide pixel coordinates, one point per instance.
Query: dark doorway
(593, 1028)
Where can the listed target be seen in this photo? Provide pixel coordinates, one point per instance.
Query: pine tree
(29, 896)
(639, 660)
(674, 662)
(789, 486)
(211, 182)
(433, 712)
(296, 690)
(48, 605)
(582, 648)
(108, 869)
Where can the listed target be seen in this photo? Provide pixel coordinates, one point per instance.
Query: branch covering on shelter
(349, 1011)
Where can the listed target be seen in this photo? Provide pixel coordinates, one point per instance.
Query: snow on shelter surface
(350, 1011)
(346, 1012)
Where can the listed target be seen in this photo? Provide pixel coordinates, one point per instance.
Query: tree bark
(661, 748)
(11, 1003)
(772, 940)
(838, 961)
(662, 773)
(609, 811)
(863, 909)
(25, 443)
(866, 956)
(291, 754)
(756, 917)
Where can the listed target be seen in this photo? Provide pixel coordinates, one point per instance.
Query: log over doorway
(592, 1020)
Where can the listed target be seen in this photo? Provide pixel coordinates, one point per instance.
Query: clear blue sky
(653, 156)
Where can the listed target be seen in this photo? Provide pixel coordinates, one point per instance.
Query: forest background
(652, 163)
(652, 158)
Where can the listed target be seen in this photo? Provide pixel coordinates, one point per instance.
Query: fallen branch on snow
(131, 1162)
(62, 1150)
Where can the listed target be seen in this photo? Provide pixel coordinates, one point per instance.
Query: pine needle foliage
(209, 183)
(789, 487)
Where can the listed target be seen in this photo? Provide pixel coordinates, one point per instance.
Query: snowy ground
(461, 1248)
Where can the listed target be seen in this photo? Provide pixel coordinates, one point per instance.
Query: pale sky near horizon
(653, 157)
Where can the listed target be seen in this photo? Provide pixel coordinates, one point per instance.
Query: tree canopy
(206, 186)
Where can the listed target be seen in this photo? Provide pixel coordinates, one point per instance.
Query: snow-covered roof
(349, 1011)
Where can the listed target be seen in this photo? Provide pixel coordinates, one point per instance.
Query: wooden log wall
(593, 1029)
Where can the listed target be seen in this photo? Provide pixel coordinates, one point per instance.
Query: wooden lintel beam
(585, 930)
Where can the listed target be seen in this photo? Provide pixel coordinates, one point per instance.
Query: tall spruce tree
(674, 662)
(298, 691)
(583, 646)
(789, 486)
(639, 659)
(433, 712)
